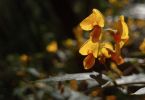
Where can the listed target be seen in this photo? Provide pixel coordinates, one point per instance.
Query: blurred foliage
(40, 38)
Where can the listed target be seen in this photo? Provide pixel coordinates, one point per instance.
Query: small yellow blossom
(69, 42)
(142, 46)
(94, 50)
(24, 58)
(52, 47)
(122, 31)
(120, 37)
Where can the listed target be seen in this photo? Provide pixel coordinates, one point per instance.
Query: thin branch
(78, 76)
(124, 80)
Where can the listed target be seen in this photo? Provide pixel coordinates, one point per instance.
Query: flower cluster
(95, 47)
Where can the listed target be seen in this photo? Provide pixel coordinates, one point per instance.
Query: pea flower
(120, 36)
(94, 50)
(94, 22)
(94, 47)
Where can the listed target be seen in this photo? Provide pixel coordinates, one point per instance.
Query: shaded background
(28, 26)
(24, 23)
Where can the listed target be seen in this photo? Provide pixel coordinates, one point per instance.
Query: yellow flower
(122, 31)
(142, 46)
(94, 47)
(24, 58)
(52, 47)
(94, 22)
(94, 50)
(121, 36)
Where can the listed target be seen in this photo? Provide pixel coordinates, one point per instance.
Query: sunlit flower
(121, 36)
(24, 58)
(94, 50)
(95, 47)
(142, 46)
(52, 47)
(94, 22)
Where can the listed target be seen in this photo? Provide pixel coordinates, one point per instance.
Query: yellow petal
(89, 47)
(89, 61)
(104, 49)
(105, 53)
(107, 45)
(142, 46)
(96, 18)
(122, 28)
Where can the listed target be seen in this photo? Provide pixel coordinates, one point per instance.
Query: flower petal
(107, 45)
(96, 18)
(104, 49)
(117, 58)
(89, 47)
(116, 69)
(96, 34)
(89, 61)
(122, 28)
(52, 47)
(124, 34)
